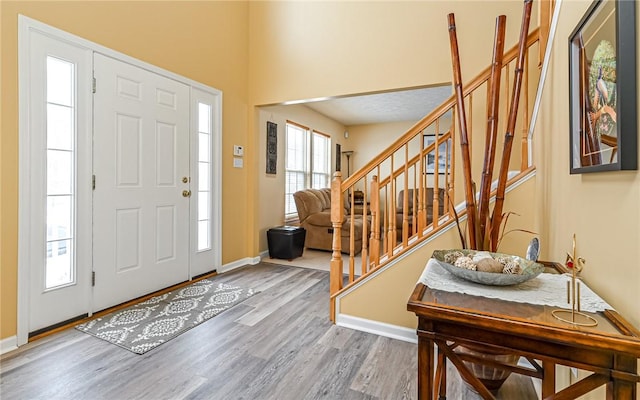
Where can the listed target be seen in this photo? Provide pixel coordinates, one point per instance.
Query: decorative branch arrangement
(484, 231)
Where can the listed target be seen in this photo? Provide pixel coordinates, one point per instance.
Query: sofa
(429, 208)
(314, 212)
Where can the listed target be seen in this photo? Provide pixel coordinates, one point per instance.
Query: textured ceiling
(405, 105)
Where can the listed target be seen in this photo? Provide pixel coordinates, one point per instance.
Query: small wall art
(272, 147)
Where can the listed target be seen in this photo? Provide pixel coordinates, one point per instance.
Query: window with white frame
(307, 164)
(60, 172)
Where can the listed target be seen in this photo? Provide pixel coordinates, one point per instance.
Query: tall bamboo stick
(492, 130)
(496, 217)
(464, 140)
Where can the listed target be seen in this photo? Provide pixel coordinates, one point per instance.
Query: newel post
(337, 216)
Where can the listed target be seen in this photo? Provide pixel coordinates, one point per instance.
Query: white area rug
(150, 323)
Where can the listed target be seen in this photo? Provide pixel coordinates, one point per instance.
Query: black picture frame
(338, 157)
(602, 91)
(272, 148)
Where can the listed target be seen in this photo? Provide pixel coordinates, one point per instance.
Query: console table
(449, 319)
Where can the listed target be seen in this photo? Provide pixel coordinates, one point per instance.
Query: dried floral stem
(492, 130)
(496, 216)
(464, 140)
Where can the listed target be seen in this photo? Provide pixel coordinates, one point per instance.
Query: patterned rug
(148, 324)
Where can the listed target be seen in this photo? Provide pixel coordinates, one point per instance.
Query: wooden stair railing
(421, 171)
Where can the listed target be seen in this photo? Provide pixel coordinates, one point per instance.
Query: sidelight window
(204, 176)
(60, 172)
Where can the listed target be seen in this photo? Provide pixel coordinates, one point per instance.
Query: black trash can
(286, 242)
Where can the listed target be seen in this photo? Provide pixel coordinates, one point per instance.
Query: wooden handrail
(414, 160)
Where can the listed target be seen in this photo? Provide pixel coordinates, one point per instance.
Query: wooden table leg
(442, 394)
(548, 379)
(619, 389)
(425, 368)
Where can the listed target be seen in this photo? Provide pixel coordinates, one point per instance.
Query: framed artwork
(602, 79)
(338, 157)
(272, 147)
(444, 153)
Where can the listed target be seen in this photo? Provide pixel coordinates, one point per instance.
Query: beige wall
(384, 298)
(367, 141)
(271, 188)
(600, 208)
(303, 50)
(204, 41)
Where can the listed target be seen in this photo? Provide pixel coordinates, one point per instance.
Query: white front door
(141, 168)
(55, 235)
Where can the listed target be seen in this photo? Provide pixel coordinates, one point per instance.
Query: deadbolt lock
(185, 179)
(186, 193)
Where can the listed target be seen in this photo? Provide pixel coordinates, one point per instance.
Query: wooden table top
(612, 332)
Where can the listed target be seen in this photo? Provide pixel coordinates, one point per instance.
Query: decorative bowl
(528, 269)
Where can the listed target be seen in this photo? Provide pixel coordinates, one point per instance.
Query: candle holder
(574, 316)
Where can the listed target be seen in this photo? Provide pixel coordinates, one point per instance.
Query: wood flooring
(279, 344)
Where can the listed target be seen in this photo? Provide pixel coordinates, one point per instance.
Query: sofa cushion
(320, 219)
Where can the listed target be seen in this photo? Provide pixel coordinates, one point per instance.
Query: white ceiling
(404, 105)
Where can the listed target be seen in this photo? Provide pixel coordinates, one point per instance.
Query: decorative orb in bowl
(488, 268)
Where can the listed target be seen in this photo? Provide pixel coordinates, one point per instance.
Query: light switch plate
(238, 150)
(237, 162)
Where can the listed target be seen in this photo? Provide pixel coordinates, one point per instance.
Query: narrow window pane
(203, 176)
(59, 172)
(59, 127)
(204, 241)
(59, 217)
(204, 118)
(203, 205)
(60, 82)
(59, 263)
(290, 205)
(204, 147)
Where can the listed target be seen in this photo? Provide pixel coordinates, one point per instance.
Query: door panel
(206, 180)
(141, 154)
(58, 251)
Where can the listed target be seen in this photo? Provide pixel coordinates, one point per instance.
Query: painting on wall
(338, 157)
(272, 147)
(602, 56)
(444, 154)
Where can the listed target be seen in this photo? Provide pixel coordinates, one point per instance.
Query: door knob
(186, 193)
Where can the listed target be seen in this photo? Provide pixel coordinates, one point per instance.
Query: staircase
(407, 193)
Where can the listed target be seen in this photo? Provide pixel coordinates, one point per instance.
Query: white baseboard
(238, 263)
(379, 328)
(8, 344)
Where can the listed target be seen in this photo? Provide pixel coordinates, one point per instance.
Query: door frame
(27, 25)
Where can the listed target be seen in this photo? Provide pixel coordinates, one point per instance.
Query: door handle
(186, 193)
